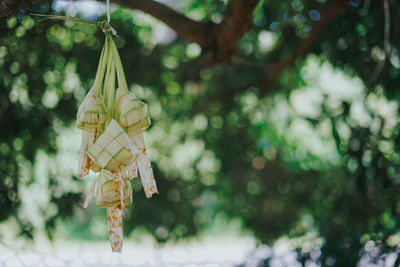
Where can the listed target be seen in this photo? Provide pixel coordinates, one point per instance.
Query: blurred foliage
(317, 152)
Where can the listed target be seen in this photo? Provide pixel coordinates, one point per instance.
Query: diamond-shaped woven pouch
(131, 113)
(113, 149)
(91, 113)
(107, 194)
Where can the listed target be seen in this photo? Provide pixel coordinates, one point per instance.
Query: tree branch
(327, 17)
(236, 22)
(9, 7)
(189, 29)
(387, 46)
(217, 40)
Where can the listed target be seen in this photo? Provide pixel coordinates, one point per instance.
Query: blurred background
(280, 157)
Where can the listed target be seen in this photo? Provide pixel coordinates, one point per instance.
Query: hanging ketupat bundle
(112, 143)
(112, 140)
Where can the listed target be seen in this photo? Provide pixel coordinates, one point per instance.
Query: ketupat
(131, 113)
(108, 190)
(113, 149)
(91, 113)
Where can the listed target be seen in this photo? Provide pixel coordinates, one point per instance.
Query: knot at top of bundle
(106, 27)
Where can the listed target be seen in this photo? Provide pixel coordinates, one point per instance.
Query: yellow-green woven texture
(131, 113)
(107, 194)
(91, 113)
(113, 148)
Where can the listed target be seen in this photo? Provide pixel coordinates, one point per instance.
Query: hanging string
(108, 11)
(113, 31)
